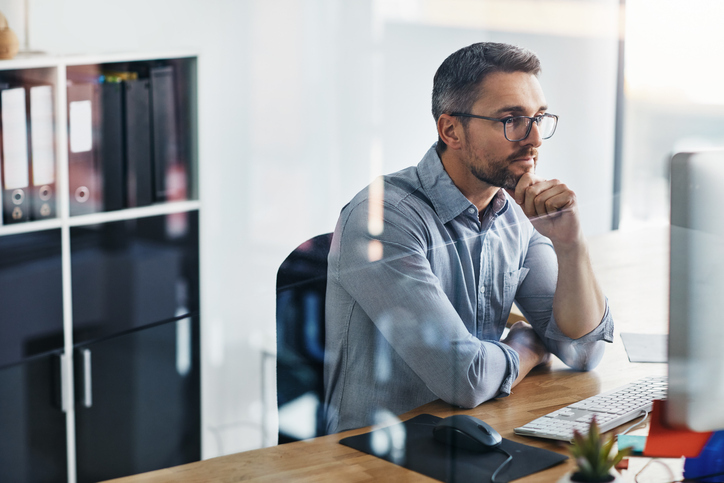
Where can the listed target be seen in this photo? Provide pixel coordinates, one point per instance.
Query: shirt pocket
(511, 282)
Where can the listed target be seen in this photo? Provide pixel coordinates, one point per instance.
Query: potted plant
(595, 457)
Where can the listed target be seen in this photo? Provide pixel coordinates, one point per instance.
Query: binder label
(41, 135)
(81, 126)
(15, 138)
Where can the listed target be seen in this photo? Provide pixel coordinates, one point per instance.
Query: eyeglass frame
(505, 121)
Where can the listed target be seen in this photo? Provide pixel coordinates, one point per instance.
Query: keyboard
(611, 409)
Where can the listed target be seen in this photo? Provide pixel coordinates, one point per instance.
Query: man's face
(488, 155)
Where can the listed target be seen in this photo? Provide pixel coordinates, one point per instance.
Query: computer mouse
(463, 431)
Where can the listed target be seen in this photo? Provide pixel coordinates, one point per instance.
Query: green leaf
(621, 455)
(594, 433)
(578, 439)
(594, 453)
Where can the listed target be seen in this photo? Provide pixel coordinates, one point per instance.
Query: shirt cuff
(513, 364)
(604, 331)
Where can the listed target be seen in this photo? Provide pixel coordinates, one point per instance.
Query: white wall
(302, 102)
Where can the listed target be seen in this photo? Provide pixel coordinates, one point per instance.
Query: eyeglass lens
(518, 128)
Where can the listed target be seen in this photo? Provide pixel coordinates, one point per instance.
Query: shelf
(133, 213)
(112, 58)
(30, 226)
(97, 218)
(103, 195)
(30, 61)
(35, 60)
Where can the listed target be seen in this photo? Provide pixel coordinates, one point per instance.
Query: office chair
(301, 290)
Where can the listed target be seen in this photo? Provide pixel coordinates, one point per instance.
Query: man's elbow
(467, 399)
(576, 331)
(464, 392)
(488, 374)
(582, 358)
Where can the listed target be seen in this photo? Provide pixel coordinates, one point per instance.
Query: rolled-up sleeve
(535, 299)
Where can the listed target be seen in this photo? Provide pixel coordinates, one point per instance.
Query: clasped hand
(551, 207)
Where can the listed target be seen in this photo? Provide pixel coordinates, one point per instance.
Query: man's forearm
(578, 304)
(530, 349)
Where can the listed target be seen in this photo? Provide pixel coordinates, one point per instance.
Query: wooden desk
(633, 270)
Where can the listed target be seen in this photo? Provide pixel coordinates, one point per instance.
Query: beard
(496, 171)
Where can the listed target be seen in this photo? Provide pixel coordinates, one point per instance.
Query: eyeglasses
(517, 128)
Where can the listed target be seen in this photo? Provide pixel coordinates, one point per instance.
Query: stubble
(496, 171)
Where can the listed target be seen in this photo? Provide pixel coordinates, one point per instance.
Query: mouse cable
(502, 465)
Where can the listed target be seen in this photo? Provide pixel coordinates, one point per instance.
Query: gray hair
(456, 84)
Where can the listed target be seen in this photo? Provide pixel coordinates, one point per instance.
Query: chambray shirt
(416, 312)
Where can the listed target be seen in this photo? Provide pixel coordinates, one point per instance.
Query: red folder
(666, 442)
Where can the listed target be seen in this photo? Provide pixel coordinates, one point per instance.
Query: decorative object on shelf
(595, 457)
(9, 44)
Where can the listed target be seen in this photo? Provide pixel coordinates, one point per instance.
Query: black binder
(138, 143)
(83, 170)
(165, 136)
(112, 146)
(15, 158)
(42, 149)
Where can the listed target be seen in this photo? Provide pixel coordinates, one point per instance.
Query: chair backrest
(301, 289)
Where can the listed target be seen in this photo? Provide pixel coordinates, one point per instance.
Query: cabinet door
(138, 401)
(32, 424)
(31, 295)
(127, 274)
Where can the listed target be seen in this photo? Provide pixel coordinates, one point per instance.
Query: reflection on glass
(389, 440)
(183, 330)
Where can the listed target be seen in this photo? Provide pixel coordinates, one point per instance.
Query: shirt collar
(446, 198)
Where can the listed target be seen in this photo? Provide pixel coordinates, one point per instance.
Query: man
(426, 263)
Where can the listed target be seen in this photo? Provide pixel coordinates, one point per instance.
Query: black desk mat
(410, 444)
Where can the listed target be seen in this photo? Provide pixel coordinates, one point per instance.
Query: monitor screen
(696, 323)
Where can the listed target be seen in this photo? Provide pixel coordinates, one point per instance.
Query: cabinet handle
(64, 384)
(87, 384)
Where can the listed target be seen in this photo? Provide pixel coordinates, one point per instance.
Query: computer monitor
(696, 320)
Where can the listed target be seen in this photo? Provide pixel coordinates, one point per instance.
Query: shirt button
(471, 210)
(482, 289)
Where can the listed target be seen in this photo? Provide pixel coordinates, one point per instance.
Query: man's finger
(525, 181)
(551, 216)
(553, 199)
(532, 192)
(560, 202)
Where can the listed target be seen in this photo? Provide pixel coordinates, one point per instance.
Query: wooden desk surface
(633, 269)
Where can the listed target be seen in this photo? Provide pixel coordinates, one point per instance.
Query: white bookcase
(107, 309)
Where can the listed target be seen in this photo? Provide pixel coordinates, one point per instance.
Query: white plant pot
(567, 477)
